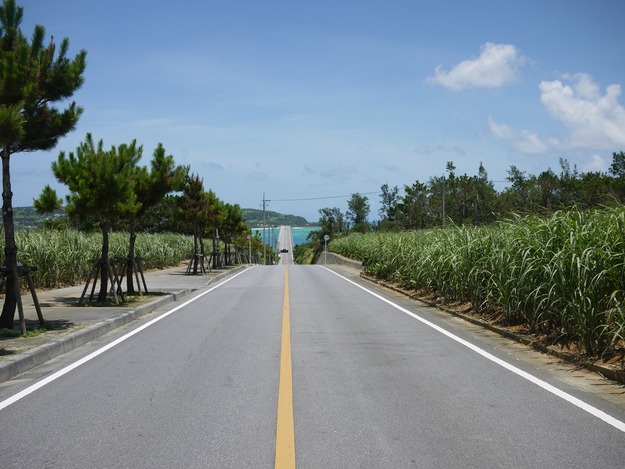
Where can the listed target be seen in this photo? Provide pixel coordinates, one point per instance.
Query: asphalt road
(371, 385)
(285, 243)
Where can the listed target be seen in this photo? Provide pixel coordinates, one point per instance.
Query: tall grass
(64, 257)
(563, 275)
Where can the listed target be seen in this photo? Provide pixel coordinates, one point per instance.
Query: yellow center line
(285, 432)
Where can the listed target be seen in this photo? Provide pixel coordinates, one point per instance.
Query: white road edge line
(618, 424)
(31, 389)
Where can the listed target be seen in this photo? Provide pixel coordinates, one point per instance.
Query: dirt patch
(11, 346)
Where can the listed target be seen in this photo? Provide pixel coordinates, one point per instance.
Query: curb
(23, 362)
(614, 375)
(337, 259)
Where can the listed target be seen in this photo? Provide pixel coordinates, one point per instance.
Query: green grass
(13, 333)
(64, 257)
(563, 276)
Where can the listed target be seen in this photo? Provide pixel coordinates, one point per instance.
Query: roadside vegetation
(62, 257)
(561, 276)
(545, 256)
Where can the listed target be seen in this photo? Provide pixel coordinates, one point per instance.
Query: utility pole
(269, 242)
(443, 201)
(264, 242)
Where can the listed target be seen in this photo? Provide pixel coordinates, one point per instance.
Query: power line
(320, 198)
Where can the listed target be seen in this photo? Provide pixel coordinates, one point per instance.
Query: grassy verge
(64, 257)
(562, 276)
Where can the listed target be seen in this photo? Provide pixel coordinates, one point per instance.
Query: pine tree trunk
(104, 261)
(130, 285)
(195, 248)
(200, 235)
(10, 249)
(215, 264)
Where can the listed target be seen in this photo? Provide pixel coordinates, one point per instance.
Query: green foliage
(233, 229)
(358, 212)
(192, 203)
(48, 201)
(102, 187)
(63, 257)
(464, 199)
(149, 189)
(164, 177)
(563, 275)
(331, 223)
(389, 201)
(32, 78)
(101, 182)
(304, 253)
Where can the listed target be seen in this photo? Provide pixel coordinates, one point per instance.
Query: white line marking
(618, 424)
(31, 389)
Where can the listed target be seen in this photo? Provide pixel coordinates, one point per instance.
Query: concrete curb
(333, 258)
(23, 362)
(39, 355)
(614, 375)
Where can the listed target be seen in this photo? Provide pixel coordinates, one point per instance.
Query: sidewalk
(72, 326)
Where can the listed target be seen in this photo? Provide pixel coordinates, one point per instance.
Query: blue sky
(322, 99)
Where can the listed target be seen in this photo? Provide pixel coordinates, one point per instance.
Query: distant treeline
(460, 200)
(463, 199)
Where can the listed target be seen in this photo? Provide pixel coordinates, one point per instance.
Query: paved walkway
(72, 325)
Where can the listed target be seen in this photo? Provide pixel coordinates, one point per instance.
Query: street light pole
(249, 248)
(325, 248)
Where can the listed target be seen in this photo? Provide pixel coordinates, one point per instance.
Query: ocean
(299, 233)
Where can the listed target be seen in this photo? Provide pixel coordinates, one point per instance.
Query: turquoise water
(299, 233)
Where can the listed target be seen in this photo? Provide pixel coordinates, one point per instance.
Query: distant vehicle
(284, 250)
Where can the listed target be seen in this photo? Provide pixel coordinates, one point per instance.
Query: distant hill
(254, 218)
(27, 217)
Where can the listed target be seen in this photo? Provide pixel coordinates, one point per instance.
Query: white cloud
(594, 121)
(390, 168)
(342, 174)
(211, 165)
(256, 176)
(594, 163)
(496, 66)
(523, 140)
(430, 150)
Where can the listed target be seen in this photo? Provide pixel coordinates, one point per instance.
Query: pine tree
(150, 189)
(192, 211)
(232, 225)
(32, 78)
(101, 185)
